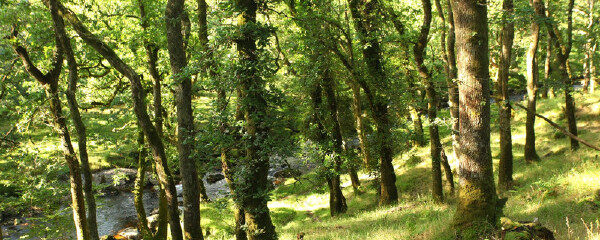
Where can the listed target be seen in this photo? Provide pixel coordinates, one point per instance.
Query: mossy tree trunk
(50, 83)
(152, 55)
(88, 190)
(477, 199)
(337, 201)
(450, 83)
(590, 42)
(364, 13)
(547, 69)
(139, 107)
(185, 120)
(254, 185)
(432, 103)
(505, 166)
(562, 52)
(138, 190)
(532, 88)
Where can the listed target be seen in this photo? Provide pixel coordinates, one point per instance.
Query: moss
(517, 236)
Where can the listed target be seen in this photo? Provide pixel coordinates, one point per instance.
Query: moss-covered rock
(512, 230)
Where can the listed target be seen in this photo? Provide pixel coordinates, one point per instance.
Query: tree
(432, 98)
(562, 56)
(364, 16)
(505, 166)
(50, 83)
(532, 88)
(252, 189)
(185, 120)
(65, 42)
(337, 201)
(589, 51)
(139, 106)
(477, 209)
(152, 49)
(450, 72)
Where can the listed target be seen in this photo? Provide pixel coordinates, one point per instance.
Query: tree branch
(560, 128)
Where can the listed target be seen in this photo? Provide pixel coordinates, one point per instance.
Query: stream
(115, 207)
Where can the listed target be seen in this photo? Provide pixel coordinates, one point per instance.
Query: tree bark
(185, 120)
(449, 82)
(547, 69)
(453, 94)
(360, 126)
(364, 13)
(253, 189)
(138, 190)
(139, 106)
(477, 208)
(532, 88)
(432, 99)
(569, 99)
(50, 83)
(337, 201)
(78, 122)
(208, 59)
(562, 56)
(152, 55)
(505, 166)
(590, 41)
(593, 69)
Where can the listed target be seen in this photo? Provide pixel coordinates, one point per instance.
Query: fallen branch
(560, 128)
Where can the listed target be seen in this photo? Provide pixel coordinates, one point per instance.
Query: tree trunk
(360, 126)
(139, 106)
(432, 99)
(593, 69)
(364, 13)
(79, 125)
(532, 81)
(562, 56)
(239, 216)
(447, 171)
(569, 100)
(254, 184)
(453, 94)
(78, 205)
(546, 86)
(477, 209)
(354, 179)
(590, 38)
(185, 121)
(337, 201)
(505, 166)
(451, 86)
(138, 190)
(206, 52)
(50, 83)
(152, 55)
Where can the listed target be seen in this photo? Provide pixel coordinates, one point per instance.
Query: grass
(562, 190)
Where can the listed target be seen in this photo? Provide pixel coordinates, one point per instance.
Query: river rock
(116, 180)
(213, 178)
(130, 233)
(287, 173)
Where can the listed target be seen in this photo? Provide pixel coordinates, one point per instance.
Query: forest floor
(562, 190)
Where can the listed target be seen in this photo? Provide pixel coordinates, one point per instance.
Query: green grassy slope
(561, 191)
